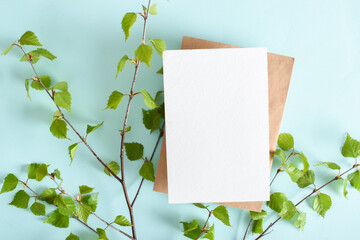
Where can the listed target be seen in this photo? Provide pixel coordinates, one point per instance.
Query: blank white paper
(217, 126)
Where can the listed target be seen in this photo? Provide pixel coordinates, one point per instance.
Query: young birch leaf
(148, 100)
(122, 221)
(121, 64)
(127, 129)
(258, 215)
(285, 141)
(7, 50)
(257, 226)
(21, 199)
(147, 171)
(354, 179)
(280, 153)
(114, 100)
(102, 234)
(300, 221)
(57, 174)
(58, 220)
(160, 71)
(33, 56)
(114, 167)
(277, 201)
(83, 212)
(32, 168)
(190, 226)
(49, 195)
(222, 214)
(70, 207)
(330, 165)
(10, 183)
(27, 84)
(305, 162)
(345, 192)
(91, 201)
(288, 210)
(90, 129)
(45, 53)
(58, 128)
(151, 119)
(210, 234)
(85, 189)
(63, 99)
(72, 237)
(41, 172)
(38, 209)
(159, 45)
(158, 95)
(127, 22)
(46, 81)
(307, 179)
(62, 86)
(134, 151)
(322, 204)
(293, 172)
(144, 54)
(29, 38)
(200, 205)
(152, 10)
(351, 147)
(72, 150)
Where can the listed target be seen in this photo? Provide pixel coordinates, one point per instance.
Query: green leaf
(354, 179)
(63, 99)
(46, 80)
(222, 214)
(58, 128)
(149, 101)
(91, 201)
(345, 192)
(258, 215)
(151, 119)
(114, 167)
(29, 38)
(102, 234)
(277, 201)
(121, 64)
(300, 221)
(41, 172)
(127, 22)
(188, 227)
(85, 189)
(330, 165)
(160, 71)
(70, 207)
(122, 221)
(72, 150)
(285, 141)
(32, 56)
(158, 95)
(351, 147)
(257, 226)
(127, 129)
(144, 54)
(90, 129)
(21, 199)
(32, 168)
(288, 210)
(200, 205)
(62, 86)
(7, 50)
(134, 151)
(307, 179)
(58, 220)
(83, 212)
(147, 171)
(57, 174)
(293, 172)
(45, 53)
(280, 153)
(49, 195)
(305, 162)
(27, 82)
(72, 237)
(152, 10)
(114, 100)
(59, 201)
(210, 234)
(322, 204)
(10, 183)
(159, 45)
(38, 209)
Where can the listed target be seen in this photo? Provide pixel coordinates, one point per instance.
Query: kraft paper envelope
(279, 74)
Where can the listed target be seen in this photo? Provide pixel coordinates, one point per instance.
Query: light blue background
(323, 102)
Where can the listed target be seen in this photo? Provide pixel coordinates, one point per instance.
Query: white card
(217, 125)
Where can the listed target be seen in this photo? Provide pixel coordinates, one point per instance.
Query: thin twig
(247, 229)
(161, 133)
(205, 225)
(307, 196)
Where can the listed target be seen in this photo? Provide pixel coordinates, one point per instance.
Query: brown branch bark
(205, 224)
